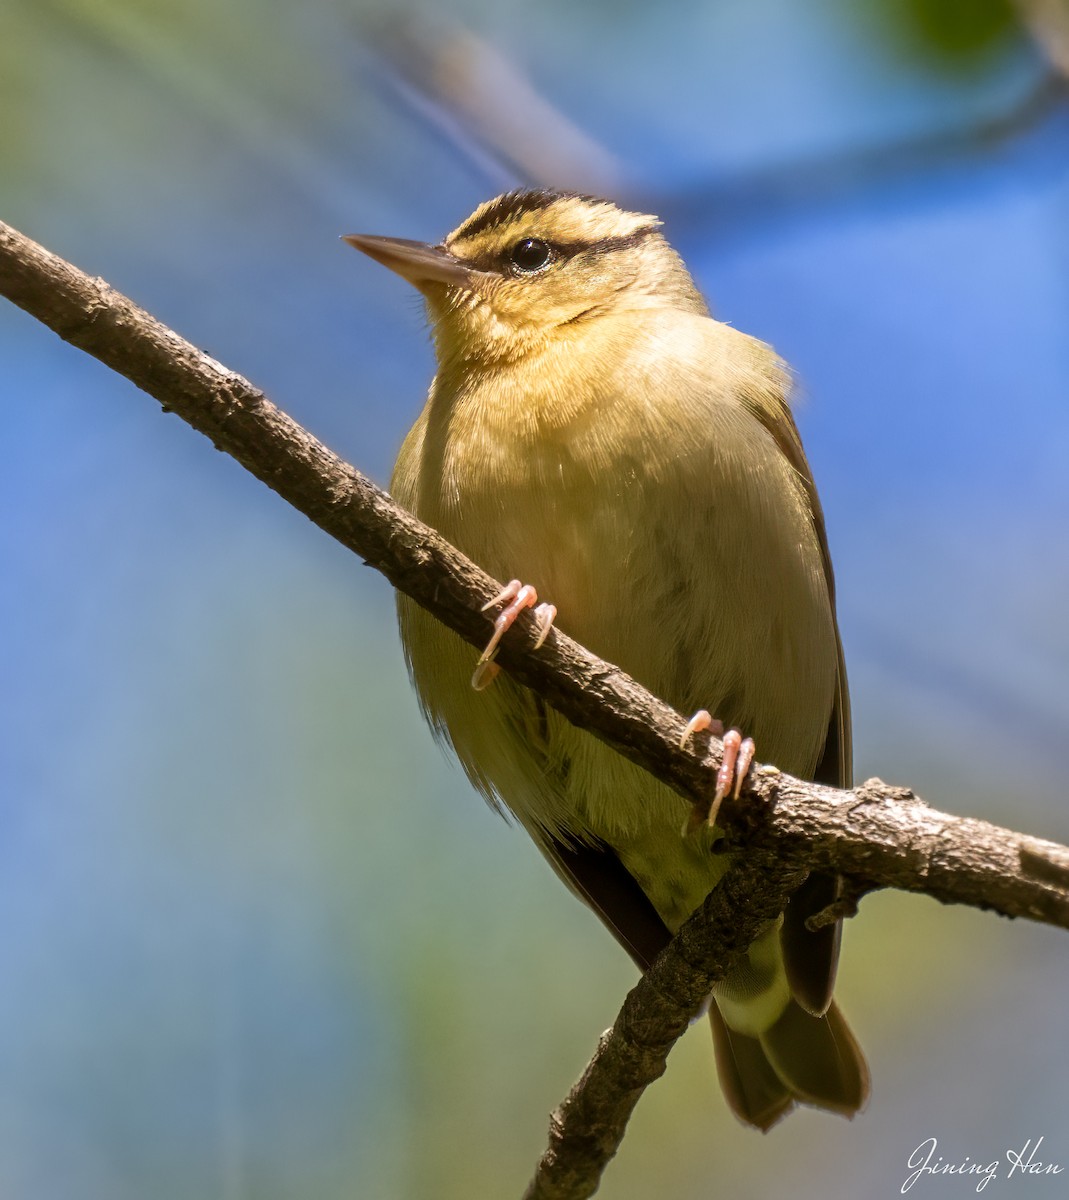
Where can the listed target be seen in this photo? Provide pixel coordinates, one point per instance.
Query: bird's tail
(799, 1059)
(774, 1050)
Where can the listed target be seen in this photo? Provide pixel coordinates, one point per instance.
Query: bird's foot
(516, 597)
(738, 756)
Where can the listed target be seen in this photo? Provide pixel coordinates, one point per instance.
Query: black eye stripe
(612, 244)
(500, 260)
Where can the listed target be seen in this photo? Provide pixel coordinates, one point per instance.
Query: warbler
(593, 430)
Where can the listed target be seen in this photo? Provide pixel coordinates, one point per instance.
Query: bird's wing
(587, 865)
(593, 872)
(811, 957)
(835, 767)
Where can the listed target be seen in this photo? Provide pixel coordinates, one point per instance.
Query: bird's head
(529, 264)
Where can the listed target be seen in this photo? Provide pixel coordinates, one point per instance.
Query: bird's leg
(738, 756)
(516, 597)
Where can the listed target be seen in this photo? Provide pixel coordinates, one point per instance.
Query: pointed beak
(417, 262)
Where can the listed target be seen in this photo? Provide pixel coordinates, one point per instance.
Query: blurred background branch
(482, 103)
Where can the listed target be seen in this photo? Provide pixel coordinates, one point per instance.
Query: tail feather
(750, 1084)
(818, 1059)
(810, 957)
(801, 1058)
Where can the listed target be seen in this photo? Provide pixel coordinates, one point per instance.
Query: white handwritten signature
(924, 1161)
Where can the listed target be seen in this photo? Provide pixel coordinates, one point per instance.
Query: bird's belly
(662, 585)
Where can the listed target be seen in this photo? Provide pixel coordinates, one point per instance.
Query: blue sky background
(260, 938)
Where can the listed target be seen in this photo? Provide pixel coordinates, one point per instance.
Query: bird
(592, 428)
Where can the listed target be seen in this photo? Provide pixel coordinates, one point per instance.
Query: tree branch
(586, 1130)
(877, 835)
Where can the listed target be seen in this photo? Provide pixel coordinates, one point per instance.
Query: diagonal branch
(877, 835)
(586, 1130)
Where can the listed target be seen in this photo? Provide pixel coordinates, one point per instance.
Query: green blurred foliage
(947, 35)
(960, 29)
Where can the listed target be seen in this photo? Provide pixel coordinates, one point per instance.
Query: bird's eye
(530, 255)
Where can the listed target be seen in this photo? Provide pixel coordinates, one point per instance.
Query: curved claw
(738, 758)
(516, 597)
(702, 719)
